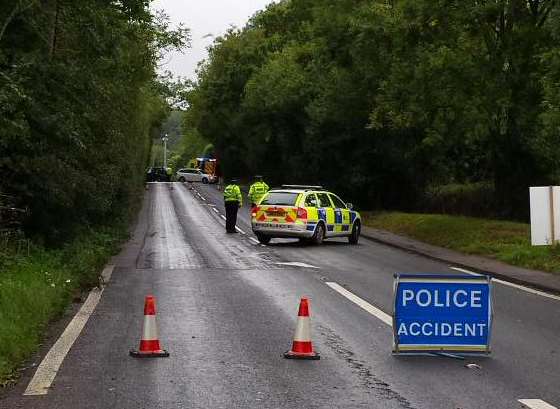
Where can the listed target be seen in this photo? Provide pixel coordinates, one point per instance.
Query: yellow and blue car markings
(338, 221)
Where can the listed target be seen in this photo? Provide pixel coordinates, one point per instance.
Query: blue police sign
(442, 313)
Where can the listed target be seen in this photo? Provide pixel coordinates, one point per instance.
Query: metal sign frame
(399, 348)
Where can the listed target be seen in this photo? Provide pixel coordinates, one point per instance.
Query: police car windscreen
(280, 199)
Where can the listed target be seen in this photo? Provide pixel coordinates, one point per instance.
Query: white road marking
(376, 312)
(519, 287)
(47, 370)
(296, 264)
(536, 404)
(223, 217)
(254, 240)
(216, 210)
(239, 230)
(462, 270)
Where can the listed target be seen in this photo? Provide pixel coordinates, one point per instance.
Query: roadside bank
(37, 284)
(499, 248)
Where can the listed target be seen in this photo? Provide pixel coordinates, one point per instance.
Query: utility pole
(164, 139)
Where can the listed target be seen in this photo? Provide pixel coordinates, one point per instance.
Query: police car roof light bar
(306, 187)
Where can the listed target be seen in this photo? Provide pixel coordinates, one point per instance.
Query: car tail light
(254, 211)
(301, 213)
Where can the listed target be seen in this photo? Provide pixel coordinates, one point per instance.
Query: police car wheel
(263, 239)
(355, 235)
(205, 181)
(182, 179)
(319, 234)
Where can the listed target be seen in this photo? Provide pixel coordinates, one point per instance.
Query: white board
(556, 212)
(541, 212)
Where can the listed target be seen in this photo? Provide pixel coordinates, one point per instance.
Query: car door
(341, 215)
(326, 213)
(193, 177)
(310, 203)
(199, 175)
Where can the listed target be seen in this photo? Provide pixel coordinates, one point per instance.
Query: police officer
(233, 201)
(257, 190)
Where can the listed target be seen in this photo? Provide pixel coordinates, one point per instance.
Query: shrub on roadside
(468, 199)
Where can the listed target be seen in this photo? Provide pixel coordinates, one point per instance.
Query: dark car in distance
(157, 174)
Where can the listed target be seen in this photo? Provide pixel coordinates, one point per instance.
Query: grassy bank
(36, 287)
(509, 242)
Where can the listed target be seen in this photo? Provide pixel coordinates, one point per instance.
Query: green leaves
(78, 107)
(383, 100)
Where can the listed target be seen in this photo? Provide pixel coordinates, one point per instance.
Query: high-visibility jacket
(257, 191)
(232, 193)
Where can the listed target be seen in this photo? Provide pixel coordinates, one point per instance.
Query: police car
(309, 213)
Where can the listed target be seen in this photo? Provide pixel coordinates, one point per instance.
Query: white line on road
(386, 318)
(254, 240)
(296, 264)
(519, 287)
(216, 210)
(462, 270)
(222, 216)
(239, 230)
(536, 404)
(47, 370)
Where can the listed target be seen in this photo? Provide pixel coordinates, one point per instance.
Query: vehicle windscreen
(280, 199)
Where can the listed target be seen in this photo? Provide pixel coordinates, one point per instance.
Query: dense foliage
(79, 102)
(386, 100)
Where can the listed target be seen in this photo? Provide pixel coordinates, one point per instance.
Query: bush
(470, 199)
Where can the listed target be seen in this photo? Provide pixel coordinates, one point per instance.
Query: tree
(382, 101)
(81, 107)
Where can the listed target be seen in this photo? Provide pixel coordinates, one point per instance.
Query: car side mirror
(349, 206)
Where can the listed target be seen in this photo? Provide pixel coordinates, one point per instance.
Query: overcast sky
(203, 17)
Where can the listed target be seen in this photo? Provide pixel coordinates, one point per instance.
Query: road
(227, 308)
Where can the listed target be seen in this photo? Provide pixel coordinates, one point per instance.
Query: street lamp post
(164, 139)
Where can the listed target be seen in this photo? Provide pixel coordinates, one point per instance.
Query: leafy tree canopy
(79, 103)
(385, 100)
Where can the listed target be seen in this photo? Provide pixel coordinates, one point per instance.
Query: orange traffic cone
(149, 344)
(302, 348)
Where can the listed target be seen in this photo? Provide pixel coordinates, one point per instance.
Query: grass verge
(505, 241)
(36, 288)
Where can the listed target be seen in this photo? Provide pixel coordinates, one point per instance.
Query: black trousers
(231, 215)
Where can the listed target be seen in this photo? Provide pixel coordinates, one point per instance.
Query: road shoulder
(531, 278)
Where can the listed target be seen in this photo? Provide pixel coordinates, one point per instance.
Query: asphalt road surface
(227, 309)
